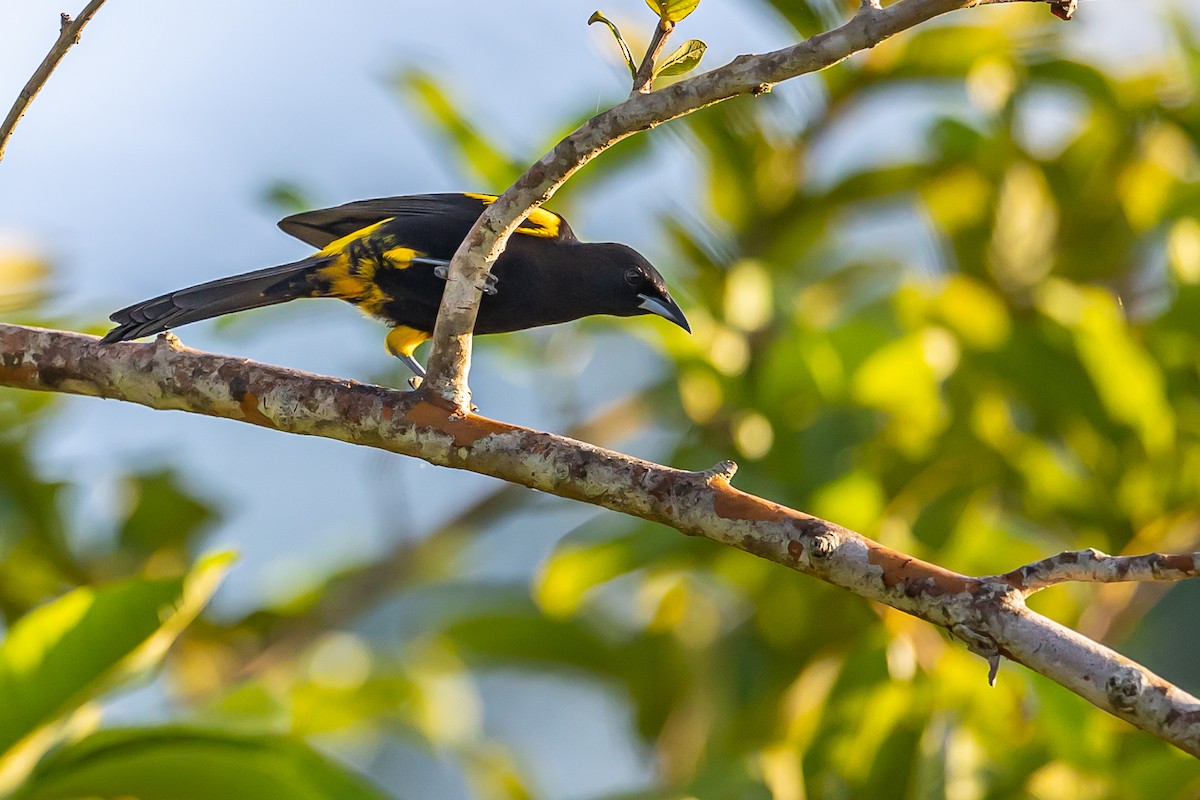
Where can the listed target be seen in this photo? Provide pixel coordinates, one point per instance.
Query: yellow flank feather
(540, 222)
(350, 273)
(403, 340)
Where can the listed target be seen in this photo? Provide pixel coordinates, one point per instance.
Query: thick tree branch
(989, 614)
(449, 362)
(354, 593)
(68, 36)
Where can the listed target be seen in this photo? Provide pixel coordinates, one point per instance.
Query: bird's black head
(632, 286)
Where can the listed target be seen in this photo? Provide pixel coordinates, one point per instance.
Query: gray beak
(666, 308)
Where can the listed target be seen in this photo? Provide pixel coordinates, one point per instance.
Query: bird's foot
(418, 376)
(489, 282)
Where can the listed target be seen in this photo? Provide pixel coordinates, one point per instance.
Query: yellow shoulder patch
(337, 245)
(540, 222)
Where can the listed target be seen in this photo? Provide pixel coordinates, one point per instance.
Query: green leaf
(488, 163)
(287, 197)
(625, 53)
(177, 763)
(683, 60)
(164, 514)
(64, 653)
(672, 10)
(1128, 381)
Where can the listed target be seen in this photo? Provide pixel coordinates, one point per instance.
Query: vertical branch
(643, 80)
(68, 36)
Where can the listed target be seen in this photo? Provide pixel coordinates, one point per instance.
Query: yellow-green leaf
(477, 150)
(175, 763)
(625, 52)
(672, 10)
(63, 654)
(683, 60)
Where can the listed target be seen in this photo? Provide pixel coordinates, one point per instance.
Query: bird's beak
(666, 308)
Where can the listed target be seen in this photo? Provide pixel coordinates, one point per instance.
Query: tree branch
(643, 79)
(989, 614)
(1093, 566)
(450, 360)
(350, 595)
(68, 36)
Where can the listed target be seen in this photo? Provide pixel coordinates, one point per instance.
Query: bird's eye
(633, 276)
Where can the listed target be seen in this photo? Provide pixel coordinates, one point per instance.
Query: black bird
(389, 257)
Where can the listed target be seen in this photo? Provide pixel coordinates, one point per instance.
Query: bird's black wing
(322, 227)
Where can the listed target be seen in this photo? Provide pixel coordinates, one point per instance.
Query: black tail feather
(264, 287)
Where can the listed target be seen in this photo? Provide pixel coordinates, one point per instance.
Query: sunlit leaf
(164, 513)
(486, 161)
(672, 10)
(685, 59)
(287, 197)
(23, 274)
(176, 763)
(901, 379)
(65, 652)
(1127, 380)
(625, 54)
(1026, 219)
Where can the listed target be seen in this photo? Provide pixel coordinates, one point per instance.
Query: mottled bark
(989, 614)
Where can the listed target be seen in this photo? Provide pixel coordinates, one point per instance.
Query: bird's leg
(401, 342)
(440, 265)
(412, 364)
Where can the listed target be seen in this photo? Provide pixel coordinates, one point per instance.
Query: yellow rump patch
(403, 340)
(540, 222)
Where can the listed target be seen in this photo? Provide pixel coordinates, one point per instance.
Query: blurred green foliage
(968, 330)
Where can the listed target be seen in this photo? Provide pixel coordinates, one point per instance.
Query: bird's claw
(489, 283)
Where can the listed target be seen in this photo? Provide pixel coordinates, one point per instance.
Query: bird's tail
(264, 287)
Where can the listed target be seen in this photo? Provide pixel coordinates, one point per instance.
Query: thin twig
(68, 36)
(1093, 566)
(643, 80)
